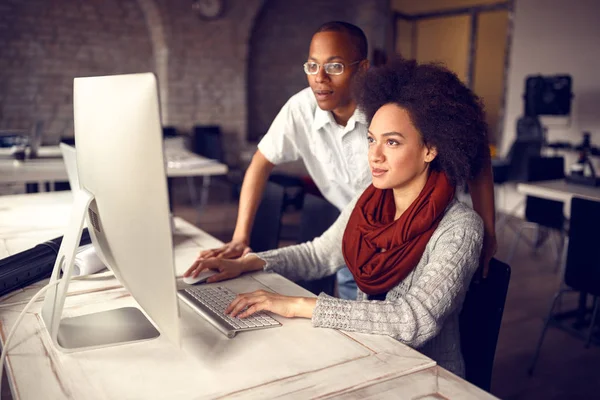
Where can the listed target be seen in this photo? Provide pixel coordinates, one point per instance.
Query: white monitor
(123, 195)
(69, 156)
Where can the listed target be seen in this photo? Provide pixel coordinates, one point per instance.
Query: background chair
(169, 132)
(528, 143)
(582, 271)
(207, 141)
(514, 167)
(293, 187)
(267, 223)
(480, 321)
(317, 216)
(543, 213)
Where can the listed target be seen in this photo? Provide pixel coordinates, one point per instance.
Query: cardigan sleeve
(417, 315)
(311, 260)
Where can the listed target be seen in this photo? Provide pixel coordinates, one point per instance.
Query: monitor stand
(95, 330)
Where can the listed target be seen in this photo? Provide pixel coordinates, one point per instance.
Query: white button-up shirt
(335, 156)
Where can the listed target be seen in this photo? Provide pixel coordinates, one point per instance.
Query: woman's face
(397, 154)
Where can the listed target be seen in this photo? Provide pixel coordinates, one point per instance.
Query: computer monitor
(69, 156)
(123, 195)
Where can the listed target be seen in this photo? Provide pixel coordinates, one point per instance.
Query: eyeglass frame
(328, 63)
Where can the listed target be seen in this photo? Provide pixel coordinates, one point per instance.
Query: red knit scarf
(379, 251)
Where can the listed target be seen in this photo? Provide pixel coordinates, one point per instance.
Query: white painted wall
(554, 37)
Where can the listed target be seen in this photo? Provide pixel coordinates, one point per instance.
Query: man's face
(332, 91)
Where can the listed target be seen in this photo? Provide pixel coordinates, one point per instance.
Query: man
(322, 126)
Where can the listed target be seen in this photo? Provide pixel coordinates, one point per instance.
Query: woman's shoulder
(462, 217)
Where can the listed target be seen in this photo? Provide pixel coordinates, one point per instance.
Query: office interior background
(236, 70)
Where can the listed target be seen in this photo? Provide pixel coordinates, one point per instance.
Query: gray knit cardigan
(422, 310)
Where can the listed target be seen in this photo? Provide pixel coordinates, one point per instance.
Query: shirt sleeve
(311, 260)
(419, 314)
(279, 143)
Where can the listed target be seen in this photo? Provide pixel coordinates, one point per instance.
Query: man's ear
(364, 65)
(431, 154)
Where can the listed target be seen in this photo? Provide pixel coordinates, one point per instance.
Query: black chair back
(548, 213)
(530, 128)
(480, 321)
(267, 223)
(207, 141)
(169, 131)
(519, 154)
(317, 216)
(582, 271)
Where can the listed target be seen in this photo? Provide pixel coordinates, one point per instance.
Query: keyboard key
(211, 303)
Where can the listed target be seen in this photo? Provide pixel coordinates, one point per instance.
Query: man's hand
(227, 269)
(233, 249)
(247, 304)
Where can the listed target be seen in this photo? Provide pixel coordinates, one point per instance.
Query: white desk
(294, 361)
(180, 162)
(559, 190)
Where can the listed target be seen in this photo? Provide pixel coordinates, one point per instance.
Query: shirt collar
(323, 118)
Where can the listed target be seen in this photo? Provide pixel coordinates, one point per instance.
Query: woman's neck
(406, 194)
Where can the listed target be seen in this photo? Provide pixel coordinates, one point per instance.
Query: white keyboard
(211, 302)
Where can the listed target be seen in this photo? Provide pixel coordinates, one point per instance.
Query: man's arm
(250, 196)
(482, 195)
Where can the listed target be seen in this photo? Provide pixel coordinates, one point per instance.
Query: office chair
(293, 186)
(582, 271)
(267, 222)
(169, 132)
(514, 167)
(206, 141)
(317, 216)
(542, 213)
(480, 320)
(529, 127)
(528, 143)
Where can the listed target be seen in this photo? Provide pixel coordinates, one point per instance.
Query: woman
(411, 246)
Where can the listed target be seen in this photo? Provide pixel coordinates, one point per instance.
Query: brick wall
(202, 66)
(45, 44)
(207, 68)
(279, 46)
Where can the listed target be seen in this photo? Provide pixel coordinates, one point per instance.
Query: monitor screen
(121, 165)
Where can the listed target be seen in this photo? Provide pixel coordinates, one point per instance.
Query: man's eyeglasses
(332, 68)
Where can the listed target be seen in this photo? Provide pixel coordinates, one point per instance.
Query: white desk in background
(559, 190)
(51, 168)
(292, 361)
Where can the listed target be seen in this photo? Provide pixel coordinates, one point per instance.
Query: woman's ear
(430, 154)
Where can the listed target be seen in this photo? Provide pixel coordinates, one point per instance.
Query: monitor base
(105, 328)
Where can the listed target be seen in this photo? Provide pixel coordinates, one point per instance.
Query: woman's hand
(247, 304)
(227, 269)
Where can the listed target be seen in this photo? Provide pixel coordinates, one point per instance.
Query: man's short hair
(357, 36)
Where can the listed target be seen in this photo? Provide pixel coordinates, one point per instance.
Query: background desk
(559, 190)
(51, 168)
(295, 360)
